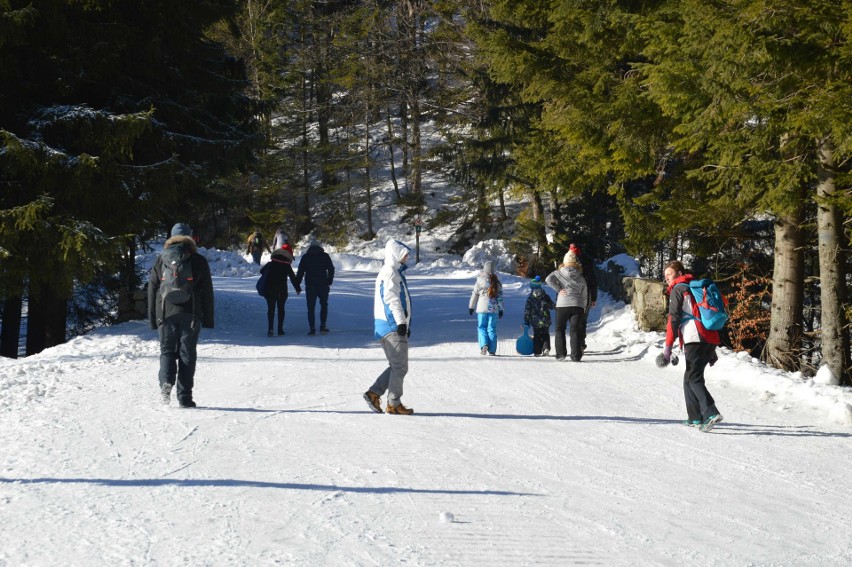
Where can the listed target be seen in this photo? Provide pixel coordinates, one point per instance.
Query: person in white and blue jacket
(392, 326)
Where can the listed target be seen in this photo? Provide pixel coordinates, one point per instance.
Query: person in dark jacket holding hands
(278, 269)
(180, 303)
(699, 347)
(318, 271)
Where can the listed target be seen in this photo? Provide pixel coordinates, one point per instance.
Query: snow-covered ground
(507, 460)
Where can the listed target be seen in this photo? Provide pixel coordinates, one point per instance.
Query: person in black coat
(318, 271)
(179, 325)
(277, 270)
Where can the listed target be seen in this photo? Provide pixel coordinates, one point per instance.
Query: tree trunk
(367, 168)
(403, 123)
(392, 162)
(835, 341)
(416, 147)
(10, 335)
(47, 315)
(305, 225)
(783, 346)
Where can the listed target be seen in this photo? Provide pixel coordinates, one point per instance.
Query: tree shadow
(236, 483)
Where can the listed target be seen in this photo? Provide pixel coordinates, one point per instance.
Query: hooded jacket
(684, 322)
(201, 304)
(537, 309)
(391, 301)
(316, 268)
(479, 300)
(569, 278)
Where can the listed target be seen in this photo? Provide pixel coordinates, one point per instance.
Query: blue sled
(524, 344)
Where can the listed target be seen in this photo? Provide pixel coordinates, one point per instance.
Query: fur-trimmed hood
(182, 239)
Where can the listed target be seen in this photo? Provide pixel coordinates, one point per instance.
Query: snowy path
(540, 462)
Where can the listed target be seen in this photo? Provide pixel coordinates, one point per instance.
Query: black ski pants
(699, 403)
(178, 341)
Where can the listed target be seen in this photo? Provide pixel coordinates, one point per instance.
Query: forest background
(719, 132)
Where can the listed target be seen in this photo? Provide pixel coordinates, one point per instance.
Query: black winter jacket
(201, 304)
(279, 268)
(316, 267)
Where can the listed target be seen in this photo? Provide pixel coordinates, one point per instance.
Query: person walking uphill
(277, 270)
(486, 300)
(591, 284)
(318, 271)
(537, 315)
(255, 244)
(572, 299)
(698, 344)
(180, 302)
(392, 326)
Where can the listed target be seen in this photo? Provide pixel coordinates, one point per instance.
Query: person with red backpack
(180, 303)
(698, 344)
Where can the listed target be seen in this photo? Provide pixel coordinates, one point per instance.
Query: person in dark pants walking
(278, 269)
(318, 271)
(591, 285)
(180, 303)
(572, 299)
(699, 346)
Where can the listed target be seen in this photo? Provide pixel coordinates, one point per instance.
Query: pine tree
(761, 91)
(115, 115)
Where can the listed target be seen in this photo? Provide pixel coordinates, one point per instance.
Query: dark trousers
(312, 293)
(584, 323)
(699, 403)
(271, 303)
(178, 341)
(541, 340)
(566, 316)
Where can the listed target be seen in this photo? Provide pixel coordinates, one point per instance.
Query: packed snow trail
(539, 462)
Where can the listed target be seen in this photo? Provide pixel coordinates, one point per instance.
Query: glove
(664, 357)
(714, 359)
(675, 360)
(500, 314)
(470, 310)
(402, 330)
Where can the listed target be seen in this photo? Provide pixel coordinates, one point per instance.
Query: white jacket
(391, 301)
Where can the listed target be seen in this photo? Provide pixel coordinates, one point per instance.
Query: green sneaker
(691, 422)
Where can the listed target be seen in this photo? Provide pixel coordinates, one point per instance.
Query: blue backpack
(712, 305)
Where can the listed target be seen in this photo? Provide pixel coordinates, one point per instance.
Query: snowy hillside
(506, 461)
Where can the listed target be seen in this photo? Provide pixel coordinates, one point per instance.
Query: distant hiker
(180, 302)
(280, 239)
(255, 244)
(698, 344)
(486, 300)
(537, 315)
(572, 300)
(392, 326)
(276, 271)
(317, 269)
(591, 284)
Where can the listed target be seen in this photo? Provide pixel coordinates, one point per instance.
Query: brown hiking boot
(374, 401)
(400, 410)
